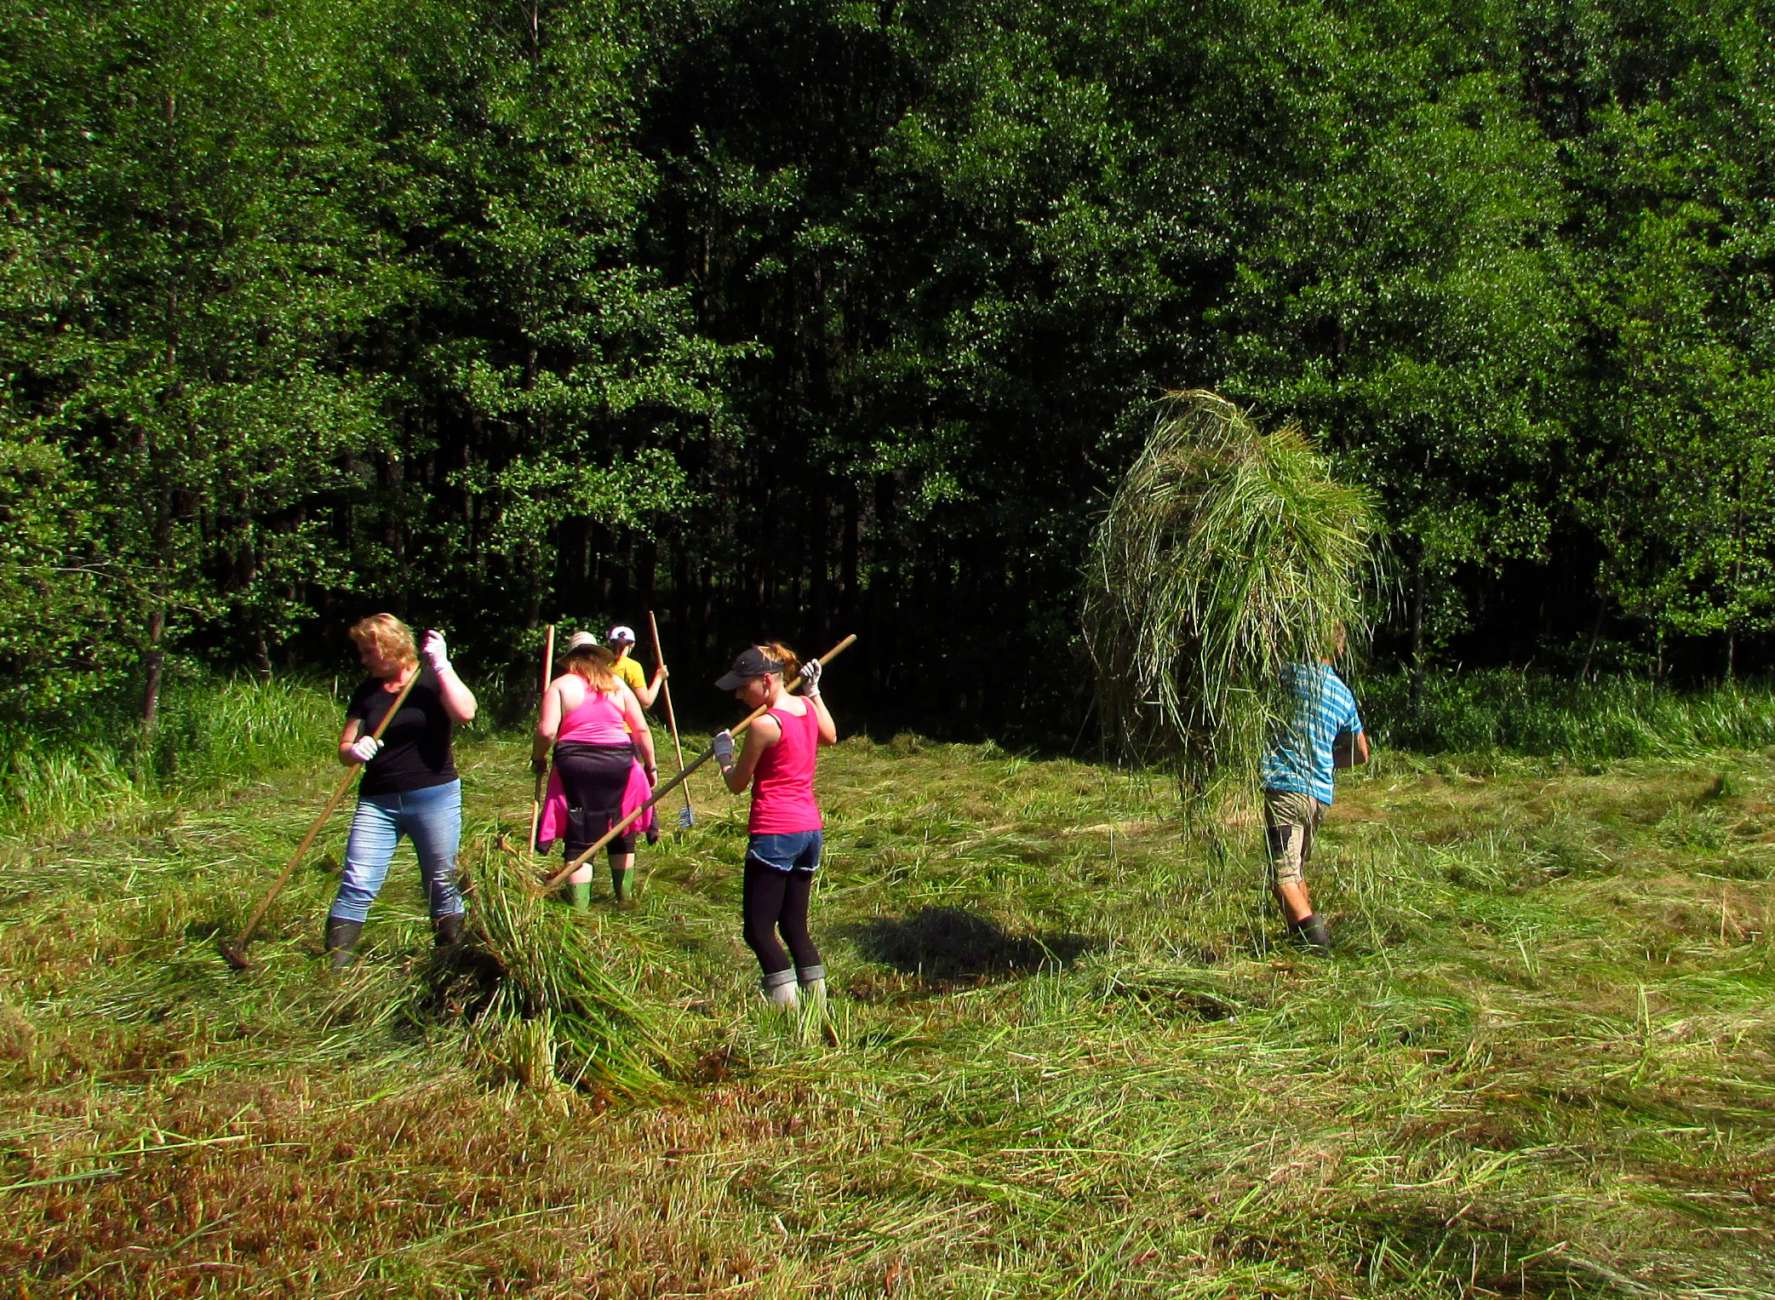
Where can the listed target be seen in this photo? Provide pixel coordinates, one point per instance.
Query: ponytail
(790, 661)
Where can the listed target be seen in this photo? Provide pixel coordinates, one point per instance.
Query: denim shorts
(797, 851)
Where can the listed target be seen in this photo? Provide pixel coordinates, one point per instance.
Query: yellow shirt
(629, 671)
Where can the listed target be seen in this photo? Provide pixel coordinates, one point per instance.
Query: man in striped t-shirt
(1297, 786)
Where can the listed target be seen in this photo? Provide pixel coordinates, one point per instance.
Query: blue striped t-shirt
(1323, 709)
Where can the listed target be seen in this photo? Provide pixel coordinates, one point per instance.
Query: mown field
(1075, 1058)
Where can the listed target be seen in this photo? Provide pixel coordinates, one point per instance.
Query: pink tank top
(597, 721)
(783, 782)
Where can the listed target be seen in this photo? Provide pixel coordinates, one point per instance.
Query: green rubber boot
(579, 895)
(620, 889)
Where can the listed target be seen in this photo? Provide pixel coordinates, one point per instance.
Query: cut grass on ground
(1076, 1058)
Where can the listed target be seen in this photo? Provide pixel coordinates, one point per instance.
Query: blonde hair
(593, 663)
(388, 636)
(784, 656)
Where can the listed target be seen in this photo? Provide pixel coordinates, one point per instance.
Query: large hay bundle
(1226, 555)
(546, 984)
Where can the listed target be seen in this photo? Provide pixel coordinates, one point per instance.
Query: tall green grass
(1500, 710)
(211, 732)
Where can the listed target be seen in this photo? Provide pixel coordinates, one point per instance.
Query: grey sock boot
(813, 985)
(779, 987)
(341, 939)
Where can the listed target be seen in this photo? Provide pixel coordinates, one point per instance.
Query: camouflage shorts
(1289, 822)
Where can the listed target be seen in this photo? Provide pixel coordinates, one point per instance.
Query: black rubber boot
(341, 939)
(1312, 934)
(447, 930)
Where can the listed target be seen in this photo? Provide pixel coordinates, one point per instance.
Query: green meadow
(1075, 1056)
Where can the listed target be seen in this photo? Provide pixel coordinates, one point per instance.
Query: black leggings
(777, 900)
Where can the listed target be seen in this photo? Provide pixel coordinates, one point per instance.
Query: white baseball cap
(622, 635)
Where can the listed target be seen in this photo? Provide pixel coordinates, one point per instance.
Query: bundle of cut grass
(537, 963)
(1226, 555)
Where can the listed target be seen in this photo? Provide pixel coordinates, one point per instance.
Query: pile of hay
(1226, 555)
(545, 986)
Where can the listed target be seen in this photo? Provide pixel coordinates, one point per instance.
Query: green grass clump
(1226, 555)
(557, 974)
(1539, 714)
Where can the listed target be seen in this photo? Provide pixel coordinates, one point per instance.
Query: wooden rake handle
(665, 685)
(554, 881)
(314, 830)
(548, 666)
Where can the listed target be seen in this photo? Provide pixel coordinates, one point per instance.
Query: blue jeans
(433, 818)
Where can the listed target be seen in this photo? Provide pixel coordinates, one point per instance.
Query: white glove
(436, 653)
(810, 679)
(364, 748)
(722, 747)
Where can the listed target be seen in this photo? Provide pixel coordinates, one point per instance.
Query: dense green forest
(812, 317)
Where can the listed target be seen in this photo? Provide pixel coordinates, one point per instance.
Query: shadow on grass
(946, 945)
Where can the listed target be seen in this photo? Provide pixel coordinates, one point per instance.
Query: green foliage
(785, 318)
(556, 973)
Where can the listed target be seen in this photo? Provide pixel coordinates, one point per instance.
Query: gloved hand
(435, 652)
(722, 746)
(810, 678)
(364, 748)
(539, 764)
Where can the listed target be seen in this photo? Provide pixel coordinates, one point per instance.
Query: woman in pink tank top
(786, 833)
(604, 765)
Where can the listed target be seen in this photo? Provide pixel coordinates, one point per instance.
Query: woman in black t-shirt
(409, 785)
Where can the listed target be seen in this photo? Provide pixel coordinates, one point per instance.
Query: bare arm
(764, 733)
(648, 693)
(828, 728)
(347, 738)
(548, 725)
(458, 700)
(630, 703)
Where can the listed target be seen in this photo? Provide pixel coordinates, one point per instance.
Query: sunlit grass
(1076, 1055)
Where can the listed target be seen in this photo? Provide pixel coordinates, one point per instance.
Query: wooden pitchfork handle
(665, 685)
(548, 664)
(338, 794)
(554, 881)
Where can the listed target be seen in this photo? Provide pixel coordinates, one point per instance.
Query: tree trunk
(1417, 633)
(155, 664)
(1602, 606)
